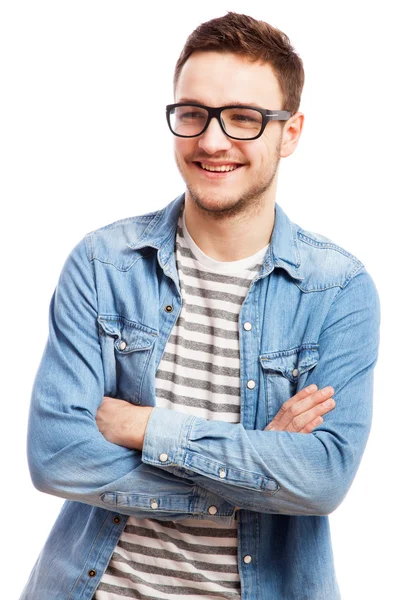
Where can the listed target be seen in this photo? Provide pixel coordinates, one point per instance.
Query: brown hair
(254, 40)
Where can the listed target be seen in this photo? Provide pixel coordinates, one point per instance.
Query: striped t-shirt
(198, 374)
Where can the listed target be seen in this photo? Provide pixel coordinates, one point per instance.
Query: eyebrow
(233, 103)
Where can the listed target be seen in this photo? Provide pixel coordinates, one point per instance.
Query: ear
(291, 134)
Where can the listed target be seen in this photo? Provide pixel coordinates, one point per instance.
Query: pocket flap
(130, 336)
(291, 363)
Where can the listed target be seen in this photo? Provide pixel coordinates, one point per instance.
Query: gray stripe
(166, 589)
(212, 294)
(157, 535)
(200, 365)
(235, 585)
(124, 593)
(200, 347)
(212, 312)
(208, 329)
(184, 251)
(156, 553)
(217, 277)
(205, 531)
(229, 390)
(206, 404)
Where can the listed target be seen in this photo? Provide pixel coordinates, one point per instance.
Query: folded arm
(67, 454)
(280, 471)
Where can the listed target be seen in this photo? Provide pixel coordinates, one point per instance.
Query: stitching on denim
(135, 325)
(108, 262)
(320, 244)
(89, 247)
(290, 351)
(228, 480)
(139, 218)
(157, 215)
(88, 555)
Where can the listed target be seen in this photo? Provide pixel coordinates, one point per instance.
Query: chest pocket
(126, 349)
(285, 373)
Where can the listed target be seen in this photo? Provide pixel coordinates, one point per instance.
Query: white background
(78, 151)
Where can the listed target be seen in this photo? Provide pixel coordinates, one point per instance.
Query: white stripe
(229, 417)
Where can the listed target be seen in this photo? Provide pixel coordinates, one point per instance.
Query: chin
(214, 202)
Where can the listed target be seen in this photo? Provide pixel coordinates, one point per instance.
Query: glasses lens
(188, 120)
(242, 123)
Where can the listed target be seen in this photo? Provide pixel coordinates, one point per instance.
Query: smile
(220, 168)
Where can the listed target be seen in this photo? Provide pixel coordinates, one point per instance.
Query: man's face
(218, 79)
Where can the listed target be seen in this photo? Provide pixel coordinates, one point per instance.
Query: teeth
(219, 168)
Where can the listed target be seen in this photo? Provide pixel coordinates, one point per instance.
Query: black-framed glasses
(237, 121)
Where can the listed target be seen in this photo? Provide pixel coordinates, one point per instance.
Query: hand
(303, 412)
(123, 423)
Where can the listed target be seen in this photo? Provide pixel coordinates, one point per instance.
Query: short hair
(254, 40)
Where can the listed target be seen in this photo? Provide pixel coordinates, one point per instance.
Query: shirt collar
(283, 251)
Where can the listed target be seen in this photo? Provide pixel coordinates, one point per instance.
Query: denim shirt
(315, 315)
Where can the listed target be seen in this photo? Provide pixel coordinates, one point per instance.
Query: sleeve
(67, 454)
(279, 471)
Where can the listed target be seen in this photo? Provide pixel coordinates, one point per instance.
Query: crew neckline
(217, 265)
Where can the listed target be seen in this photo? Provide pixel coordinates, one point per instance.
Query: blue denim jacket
(315, 318)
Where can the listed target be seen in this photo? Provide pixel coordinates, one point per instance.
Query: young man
(183, 405)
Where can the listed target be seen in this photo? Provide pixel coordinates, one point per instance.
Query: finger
(311, 426)
(301, 404)
(302, 420)
(286, 406)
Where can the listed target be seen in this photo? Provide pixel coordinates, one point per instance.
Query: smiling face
(226, 176)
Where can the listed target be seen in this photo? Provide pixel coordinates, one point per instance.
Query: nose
(214, 139)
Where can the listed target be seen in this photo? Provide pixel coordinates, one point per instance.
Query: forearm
(68, 456)
(94, 471)
(279, 471)
(265, 471)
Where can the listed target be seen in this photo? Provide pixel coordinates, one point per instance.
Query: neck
(226, 236)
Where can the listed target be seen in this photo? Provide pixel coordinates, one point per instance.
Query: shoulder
(122, 232)
(113, 243)
(324, 263)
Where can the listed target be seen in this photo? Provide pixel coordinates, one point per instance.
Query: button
(92, 573)
(117, 520)
(251, 384)
(222, 473)
(247, 326)
(169, 308)
(122, 345)
(154, 504)
(212, 510)
(163, 457)
(247, 559)
(295, 372)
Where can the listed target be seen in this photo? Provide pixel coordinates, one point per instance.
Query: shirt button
(122, 345)
(222, 473)
(251, 384)
(163, 457)
(212, 510)
(247, 559)
(247, 326)
(154, 504)
(169, 308)
(295, 372)
(92, 573)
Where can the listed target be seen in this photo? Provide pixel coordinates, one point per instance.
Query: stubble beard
(249, 202)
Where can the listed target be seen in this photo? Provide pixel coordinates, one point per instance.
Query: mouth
(217, 170)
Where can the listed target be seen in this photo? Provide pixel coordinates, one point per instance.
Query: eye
(190, 113)
(244, 118)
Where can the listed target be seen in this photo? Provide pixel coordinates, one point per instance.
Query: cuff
(166, 437)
